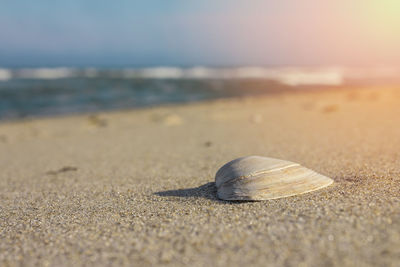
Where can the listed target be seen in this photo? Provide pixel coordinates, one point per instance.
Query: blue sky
(207, 32)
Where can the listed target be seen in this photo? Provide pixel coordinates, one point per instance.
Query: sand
(136, 187)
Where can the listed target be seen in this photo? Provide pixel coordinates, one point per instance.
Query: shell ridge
(295, 182)
(240, 167)
(256, 173)
(292, 183)
(305, 191)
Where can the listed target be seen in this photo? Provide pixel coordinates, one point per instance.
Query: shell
(262, 178)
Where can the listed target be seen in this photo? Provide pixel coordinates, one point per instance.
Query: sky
(191, 33)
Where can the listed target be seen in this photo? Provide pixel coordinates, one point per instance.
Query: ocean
(37, 92)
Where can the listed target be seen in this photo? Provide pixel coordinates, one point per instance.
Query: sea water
(32, 92)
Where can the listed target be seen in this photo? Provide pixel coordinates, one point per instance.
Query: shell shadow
(208, 191)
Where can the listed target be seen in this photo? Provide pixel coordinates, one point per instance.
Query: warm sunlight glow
(384, 19)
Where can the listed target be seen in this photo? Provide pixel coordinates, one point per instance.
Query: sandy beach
(136, 187)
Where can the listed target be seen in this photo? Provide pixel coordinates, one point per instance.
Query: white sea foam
(201, 73)
(288, 76)
(295, 77)
(5, 74)
(46, 73)
(292, 76)
(162, 73)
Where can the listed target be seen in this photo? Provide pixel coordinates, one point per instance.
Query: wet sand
(136, 187)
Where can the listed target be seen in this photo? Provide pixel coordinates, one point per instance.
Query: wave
(293, 76)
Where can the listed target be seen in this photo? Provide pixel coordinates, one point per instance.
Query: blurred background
(62, 57)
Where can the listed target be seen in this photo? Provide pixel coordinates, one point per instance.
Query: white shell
(262, 178)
